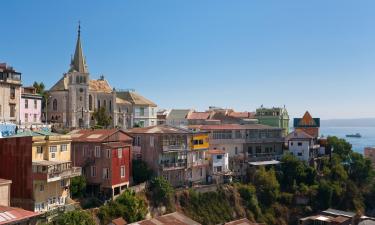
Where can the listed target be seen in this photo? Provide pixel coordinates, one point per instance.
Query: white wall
(302, 152)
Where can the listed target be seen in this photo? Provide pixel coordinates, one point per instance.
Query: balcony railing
(167, 148)
(263, 157)
(55, 175)
(172, 166)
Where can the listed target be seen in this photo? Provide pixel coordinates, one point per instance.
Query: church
(75, 97)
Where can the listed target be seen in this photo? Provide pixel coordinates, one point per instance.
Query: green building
(275, 117)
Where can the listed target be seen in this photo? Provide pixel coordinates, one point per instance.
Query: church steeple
(78, 63)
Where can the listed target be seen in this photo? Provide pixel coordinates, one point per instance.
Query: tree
(339, 146)
(140, 171)
(128, 205)
(78, 186)
(248, 194)
(268, 188)
(162, 192)
(101, 117)
(40, 89)
(77, 217)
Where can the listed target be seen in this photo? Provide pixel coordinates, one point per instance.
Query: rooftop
(199, 116)
(159, 129)
(12, 215)
(175, 218)
(135, 98)
(100, 85)
(339, 212)
(178, 114)
(298, 134)
(236, 127)
(241, 222)
(95, 135)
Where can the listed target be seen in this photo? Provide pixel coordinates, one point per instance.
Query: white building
(219, 165)
(302, 145)
(178, 117)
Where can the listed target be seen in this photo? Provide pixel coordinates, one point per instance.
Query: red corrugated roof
(235, 127)
(97, 135)
(10, 214)
(198, 116)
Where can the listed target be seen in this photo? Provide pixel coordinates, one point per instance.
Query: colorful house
(105, 158)
(40, 167)
(30, 108)
(274, 117)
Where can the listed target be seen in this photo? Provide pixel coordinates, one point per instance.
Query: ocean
(367, 139)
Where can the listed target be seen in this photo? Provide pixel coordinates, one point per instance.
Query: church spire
(78, 63)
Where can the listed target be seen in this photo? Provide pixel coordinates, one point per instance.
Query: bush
(140, 171)
(162, 193)
(78, 186)
(77, 217)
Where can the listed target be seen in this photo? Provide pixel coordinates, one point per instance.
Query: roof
(243, 115)
(236, 127)
(216, 152)
(298, 134)
(60, 85)
(159, 129)
(119, 221)
(122, 101)
(243, 221)
(178, 114)
(10, 214)
(263, 163)
(367, 222)
(306, 121)
(175, 218)
(4, 181)
(94, 135)
(339, 212)
(28, 133)
(78, 63)
(100, 85)
(135, 98)
(199, 116)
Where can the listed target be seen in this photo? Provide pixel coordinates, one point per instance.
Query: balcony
(167, 148)
(172, 166)
(53, 171)
(263, 157)
(198, 163)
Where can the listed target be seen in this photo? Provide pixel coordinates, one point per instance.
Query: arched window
(77, 79)
(84, 80)
(105, 104)
(110, 105)
(54, 105)
(98, 104)
(80, 79)
(90, 102)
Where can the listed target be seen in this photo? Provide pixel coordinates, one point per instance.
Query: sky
(307, 55)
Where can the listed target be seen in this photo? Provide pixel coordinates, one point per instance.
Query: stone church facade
(74, 98)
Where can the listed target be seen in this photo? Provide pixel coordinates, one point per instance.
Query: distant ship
(357, 135)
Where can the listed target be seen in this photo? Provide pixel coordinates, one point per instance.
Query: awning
(264, 163)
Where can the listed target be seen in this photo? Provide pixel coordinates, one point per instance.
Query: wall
(304, 149)
(31, 110)
(16, 165)
(5, 194)
(5, 100)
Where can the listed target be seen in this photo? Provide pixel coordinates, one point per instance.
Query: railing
(263, 157)
(68, 173)
(169, 166)
(174, 148)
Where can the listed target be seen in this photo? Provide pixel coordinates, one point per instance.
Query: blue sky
(309, 55)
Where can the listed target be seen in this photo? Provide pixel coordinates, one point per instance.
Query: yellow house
(197, 170)
(52, 169)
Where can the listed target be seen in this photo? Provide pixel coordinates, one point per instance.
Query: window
(299, 143)
(0, 110)
(299, 153)
(97, 151)
(201, 172)
(62, 183)
(90, 102)
(218, 169)
(54, 105)
(219, 156)
(142, 111)
(26, 104)
(84, 152)
(110, 105)
(122, 171)
(108, 153)
(105, 104)
(53, 155)
(12, 110)
(93, 171)
(137, 141)
(39, 150)
(119, 153)
(41, 187)
(141, 123)
(105, 173)
(35, 104)
(98, 103)
(291, 143)
(12, 92)
(26, 117)
(64, 148)
(52, 149)
(34, 118)
(258, 149)
(249, 150)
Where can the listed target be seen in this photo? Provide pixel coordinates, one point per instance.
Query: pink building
(30, 107)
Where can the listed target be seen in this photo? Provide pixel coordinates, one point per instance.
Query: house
(196, 118)
(105, 158)
(275, 117)
(219, 165)
(168, 219)
(5, 192)
(178, 117)
(40, 167)
(30, 108)
(143, 110)
(302, 145)
(162, 116)
(330, 217)
(17, 216)
(245, 143)
(177, 154)
(307, 124)
(10, 90)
